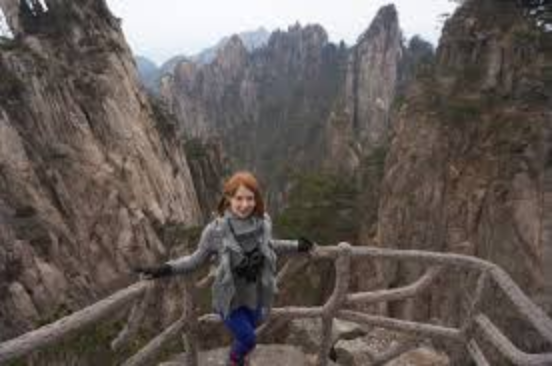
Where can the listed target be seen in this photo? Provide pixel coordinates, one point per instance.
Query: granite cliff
(468, 170)
(88, 174)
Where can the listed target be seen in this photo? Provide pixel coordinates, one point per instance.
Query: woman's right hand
(305, 244)
(163, 270)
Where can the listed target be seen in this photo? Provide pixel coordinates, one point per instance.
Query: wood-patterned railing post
(460, 351)
(190, 337)
(135, 317)
(336, 300)
(467, 328)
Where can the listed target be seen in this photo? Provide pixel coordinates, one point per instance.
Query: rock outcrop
(371, 85)
(306, 333)
(466, 171)
(298, 104)
(88, 175)
(208, 165)
(422, 356)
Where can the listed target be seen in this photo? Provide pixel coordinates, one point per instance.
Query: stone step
(263, 355)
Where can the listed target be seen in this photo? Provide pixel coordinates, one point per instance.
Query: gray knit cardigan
(216, 239)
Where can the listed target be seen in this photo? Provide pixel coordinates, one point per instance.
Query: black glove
(155, 272)
(305, 244)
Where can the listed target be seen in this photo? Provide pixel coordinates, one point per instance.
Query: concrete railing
(339, 305)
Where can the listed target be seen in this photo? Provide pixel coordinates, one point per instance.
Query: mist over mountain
(250, 39)
(150, 73)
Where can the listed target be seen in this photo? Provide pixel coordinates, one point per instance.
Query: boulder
(422, 356)
(306, 333)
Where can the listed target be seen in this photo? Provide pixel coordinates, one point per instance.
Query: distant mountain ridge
(250, 39)
(148, 71)
(150, 74)
(299, 99)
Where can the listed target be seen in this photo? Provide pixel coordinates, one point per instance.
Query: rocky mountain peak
(233, 54)
(485, 52)
(312, 35)
(372, 77)
(386, 21)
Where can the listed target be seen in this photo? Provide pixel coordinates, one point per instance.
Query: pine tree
(540, 10)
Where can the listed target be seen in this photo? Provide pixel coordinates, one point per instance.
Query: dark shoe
(234, 361)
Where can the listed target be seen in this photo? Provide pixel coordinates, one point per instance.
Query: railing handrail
(55, 332)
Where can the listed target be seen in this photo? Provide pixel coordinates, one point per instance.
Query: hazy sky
(163, 28)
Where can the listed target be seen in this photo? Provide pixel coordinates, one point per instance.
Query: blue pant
(241, 322)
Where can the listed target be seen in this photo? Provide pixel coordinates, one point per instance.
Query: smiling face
(242, 203)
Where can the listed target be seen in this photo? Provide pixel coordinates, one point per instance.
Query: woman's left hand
(305, 244)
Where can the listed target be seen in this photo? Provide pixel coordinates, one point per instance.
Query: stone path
(262, 356)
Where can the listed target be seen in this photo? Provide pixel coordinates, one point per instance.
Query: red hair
(248, 180)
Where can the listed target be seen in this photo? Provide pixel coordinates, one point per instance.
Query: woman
(245, 282)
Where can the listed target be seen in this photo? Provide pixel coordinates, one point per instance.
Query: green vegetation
(11, 87)
(53, 21)
(461, 111)
(92, 346)
(525, 36)
(195, 148)
(370, 176)
(89, 86)
(374, 164)
(325, 208)
(61, 311)
(18, 362)
(8, 44)
(457, 111)
(547, 74)
(545, 44)
(165, 121)
(175, 234)
(322, 207)
(471, 74)
(425, 67)
(398, 102)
